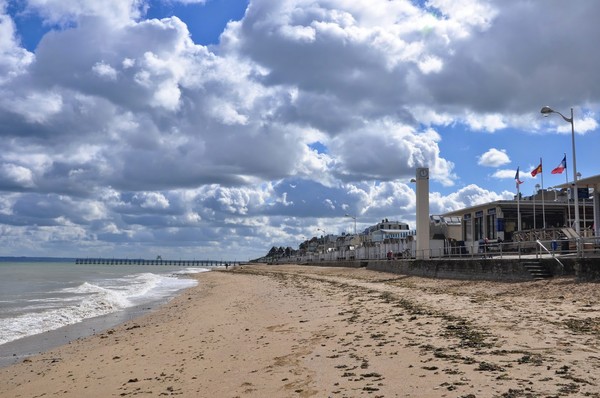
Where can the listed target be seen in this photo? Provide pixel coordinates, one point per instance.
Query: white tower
(422, 213)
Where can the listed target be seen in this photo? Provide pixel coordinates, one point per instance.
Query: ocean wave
(191, 270)
(91, 299)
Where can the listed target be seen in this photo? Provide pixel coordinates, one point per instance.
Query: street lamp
(354, 218)
(546, 111)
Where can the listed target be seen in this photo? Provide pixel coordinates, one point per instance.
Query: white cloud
(14, 60)
(505, 174)
(431, 65)
(19, 175)
(485, 122)
(104, 70)
(152, 200)
(468, 196)
(582, 125)
(494, 158)
(65, 11)
(36, 107)
(153, 138)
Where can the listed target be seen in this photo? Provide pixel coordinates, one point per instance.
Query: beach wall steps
(537, 270)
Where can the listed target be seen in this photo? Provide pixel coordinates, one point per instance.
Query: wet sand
(292, 331)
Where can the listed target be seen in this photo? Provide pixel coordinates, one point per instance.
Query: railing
(537, 249)
(553, 254)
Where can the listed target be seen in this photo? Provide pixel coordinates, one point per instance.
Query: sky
(217, 129)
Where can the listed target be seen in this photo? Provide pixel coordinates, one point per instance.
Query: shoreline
(260, 330)
(15, 351)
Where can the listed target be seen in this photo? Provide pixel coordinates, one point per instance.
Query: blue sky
(221, 128)
(205, 21)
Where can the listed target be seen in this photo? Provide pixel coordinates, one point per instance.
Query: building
(588, 191)
(389, 225)
(550, 212)
(386, 231)
(445, 227)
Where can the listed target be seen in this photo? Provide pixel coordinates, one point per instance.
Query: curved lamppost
(546, 111)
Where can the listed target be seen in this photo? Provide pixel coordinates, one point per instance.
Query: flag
(537, 170)
(561, 167)
(517, 180)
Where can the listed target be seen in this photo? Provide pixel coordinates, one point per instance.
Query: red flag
(561, 167)
(537, 170)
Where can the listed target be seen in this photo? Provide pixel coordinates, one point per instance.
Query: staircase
(537, 270)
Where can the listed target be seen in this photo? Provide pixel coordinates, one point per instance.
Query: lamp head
(546, 111)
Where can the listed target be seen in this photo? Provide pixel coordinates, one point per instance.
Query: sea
(48, 303)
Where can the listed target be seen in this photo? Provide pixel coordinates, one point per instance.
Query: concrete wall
(483, 269)
(588, 270)
(585, 270)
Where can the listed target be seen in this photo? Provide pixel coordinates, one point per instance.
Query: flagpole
(569, 190)
(543, 206)
(518, 203)
(559, 170)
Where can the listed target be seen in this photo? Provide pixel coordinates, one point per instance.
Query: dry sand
(293, 331)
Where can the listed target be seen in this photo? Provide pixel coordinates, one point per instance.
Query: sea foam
(91, 299)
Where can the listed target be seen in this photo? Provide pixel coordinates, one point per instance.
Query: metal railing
(581, 247)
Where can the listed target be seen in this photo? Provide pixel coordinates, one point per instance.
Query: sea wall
(474, 269)
(588, 270)
(495, 269)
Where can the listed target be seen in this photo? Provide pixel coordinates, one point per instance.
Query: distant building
(386, 232)
(389, 225)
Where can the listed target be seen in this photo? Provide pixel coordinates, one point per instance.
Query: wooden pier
(158, 261)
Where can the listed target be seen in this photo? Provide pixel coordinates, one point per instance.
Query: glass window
(478, 228)
(468, 231)
(491, 232)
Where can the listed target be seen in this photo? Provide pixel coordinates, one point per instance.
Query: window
(468, 228)
(478, 225)
(490, 221)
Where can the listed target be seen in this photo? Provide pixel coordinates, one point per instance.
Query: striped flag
(517, 180)
(561, 167)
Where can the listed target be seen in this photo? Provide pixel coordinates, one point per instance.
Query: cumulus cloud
(66, 11)
(468, 196)
(17, 176)
(494, 158)
(104, 70)
(120, 129)
(14, 60)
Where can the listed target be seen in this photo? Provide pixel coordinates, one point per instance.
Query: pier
(157, 261)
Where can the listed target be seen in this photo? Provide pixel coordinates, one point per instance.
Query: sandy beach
(297, 331)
